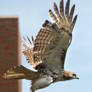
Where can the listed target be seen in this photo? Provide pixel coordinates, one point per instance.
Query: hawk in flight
(48, 51)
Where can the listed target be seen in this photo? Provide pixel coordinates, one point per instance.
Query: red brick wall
(9, 52)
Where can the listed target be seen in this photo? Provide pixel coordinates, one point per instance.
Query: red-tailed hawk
(47, 52)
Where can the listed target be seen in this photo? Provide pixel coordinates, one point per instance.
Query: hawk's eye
(74, 74)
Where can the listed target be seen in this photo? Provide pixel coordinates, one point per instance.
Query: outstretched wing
(53, 39)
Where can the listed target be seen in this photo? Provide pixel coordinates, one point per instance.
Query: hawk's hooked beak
(77, 77)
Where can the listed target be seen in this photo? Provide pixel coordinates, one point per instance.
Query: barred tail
(20, 72)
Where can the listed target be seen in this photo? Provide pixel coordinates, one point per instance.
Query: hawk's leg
(41, 82)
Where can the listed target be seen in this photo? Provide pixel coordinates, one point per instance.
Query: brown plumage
(47, 52)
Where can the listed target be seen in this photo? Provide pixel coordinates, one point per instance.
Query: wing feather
(71, 13)
(56, 11)
(73, 23)
(67, 8)
(53, 16)
(62, 8)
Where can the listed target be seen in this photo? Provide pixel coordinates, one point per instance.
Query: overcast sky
(32, 14)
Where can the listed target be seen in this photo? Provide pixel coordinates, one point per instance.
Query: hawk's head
(69, 75)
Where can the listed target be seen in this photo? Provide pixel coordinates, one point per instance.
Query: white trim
(8, 17)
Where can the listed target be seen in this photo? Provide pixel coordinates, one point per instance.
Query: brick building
(9, 52)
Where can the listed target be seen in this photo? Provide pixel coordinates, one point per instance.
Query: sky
(32, 14)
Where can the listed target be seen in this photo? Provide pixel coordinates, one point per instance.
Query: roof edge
(7, 17)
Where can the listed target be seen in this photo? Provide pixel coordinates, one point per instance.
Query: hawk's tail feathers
(19, 72)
